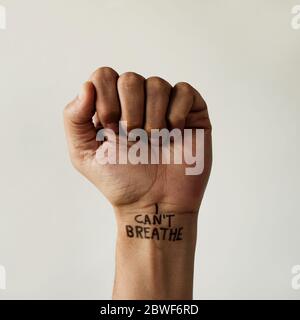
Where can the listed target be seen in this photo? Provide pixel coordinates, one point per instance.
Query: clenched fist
(150, 104)
(156, 204)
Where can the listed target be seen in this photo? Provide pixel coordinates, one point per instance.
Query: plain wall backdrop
(57, 232)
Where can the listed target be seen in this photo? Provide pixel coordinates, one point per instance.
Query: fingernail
(113, 126)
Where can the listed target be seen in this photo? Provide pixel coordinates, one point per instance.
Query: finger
(131, 95)
(80, 130)
(107, 100)
(187, 109)
(198, 116)
(157, 100)
(180, 104)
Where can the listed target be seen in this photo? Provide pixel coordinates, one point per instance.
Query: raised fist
(152, 103)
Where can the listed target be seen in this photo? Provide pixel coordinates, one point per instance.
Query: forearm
(155, 249)
(155, 255)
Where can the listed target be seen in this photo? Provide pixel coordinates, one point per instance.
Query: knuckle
(184, 88)
(129, 80)
(157, 84)
(104, 74)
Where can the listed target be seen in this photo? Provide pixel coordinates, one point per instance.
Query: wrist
(155, 254)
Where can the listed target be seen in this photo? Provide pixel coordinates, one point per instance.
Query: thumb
(79, 127)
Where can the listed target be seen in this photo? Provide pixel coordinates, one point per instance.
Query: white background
(57, 233)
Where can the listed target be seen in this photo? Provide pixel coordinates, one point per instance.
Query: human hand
(149, 104)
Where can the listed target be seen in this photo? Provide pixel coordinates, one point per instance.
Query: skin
(145, 269)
